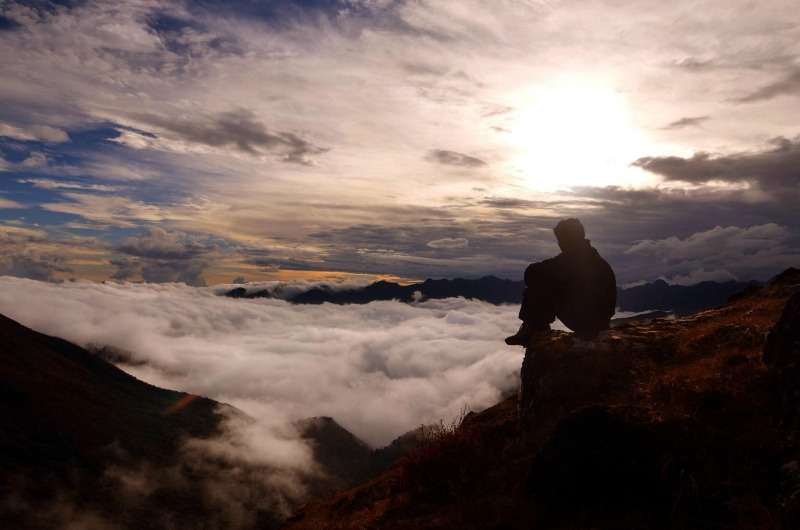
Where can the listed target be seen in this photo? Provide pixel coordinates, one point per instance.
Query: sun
(576, 132)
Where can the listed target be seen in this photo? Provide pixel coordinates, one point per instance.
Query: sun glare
(576, 133)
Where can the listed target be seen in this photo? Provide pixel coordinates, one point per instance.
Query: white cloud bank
(718, 254)
(380, 369)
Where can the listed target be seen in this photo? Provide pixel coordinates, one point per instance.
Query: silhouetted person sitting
(577, 286)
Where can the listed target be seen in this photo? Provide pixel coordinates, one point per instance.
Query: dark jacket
(581, 285)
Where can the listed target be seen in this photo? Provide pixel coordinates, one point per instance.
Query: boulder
(561, 373)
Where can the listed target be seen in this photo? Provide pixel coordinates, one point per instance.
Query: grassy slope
(82, 443)
(66, 400)
(669, 424)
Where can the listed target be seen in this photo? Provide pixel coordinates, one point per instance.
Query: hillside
(669, 423)
(83, 443)
(346, 459)
(61, 397)
(657, 295)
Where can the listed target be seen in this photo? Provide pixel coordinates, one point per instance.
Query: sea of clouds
(379, 369)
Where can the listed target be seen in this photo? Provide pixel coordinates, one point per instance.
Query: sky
(210, 141)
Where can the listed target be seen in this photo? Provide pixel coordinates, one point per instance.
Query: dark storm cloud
(690, 121)
(789, 85)
(240, 130)
(775, 167)
(453, 158)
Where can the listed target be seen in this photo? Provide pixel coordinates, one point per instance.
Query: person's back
(578, 286)
(587, 302)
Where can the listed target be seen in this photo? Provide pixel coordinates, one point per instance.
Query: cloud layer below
(380, 369)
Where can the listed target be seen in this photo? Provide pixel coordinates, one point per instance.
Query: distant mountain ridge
(657, 295)
(681, 299)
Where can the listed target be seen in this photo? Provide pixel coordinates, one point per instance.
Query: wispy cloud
(8, 203)
(51, 184)
(309, 130)
(449, 242)
(788, 85)
(689, 121)
(42, 133)
(453, 158)
(239, 130)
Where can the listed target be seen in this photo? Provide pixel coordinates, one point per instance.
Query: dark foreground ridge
(687, 423)
(69, 417)
(85, 445)
(657, 295)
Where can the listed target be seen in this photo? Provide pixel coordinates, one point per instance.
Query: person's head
(570, 234)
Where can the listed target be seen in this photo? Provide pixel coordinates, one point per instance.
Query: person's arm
(553, 264)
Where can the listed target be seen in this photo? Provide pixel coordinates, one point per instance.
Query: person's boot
(521, 337)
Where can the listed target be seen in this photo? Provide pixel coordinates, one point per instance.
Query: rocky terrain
(668, 423)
